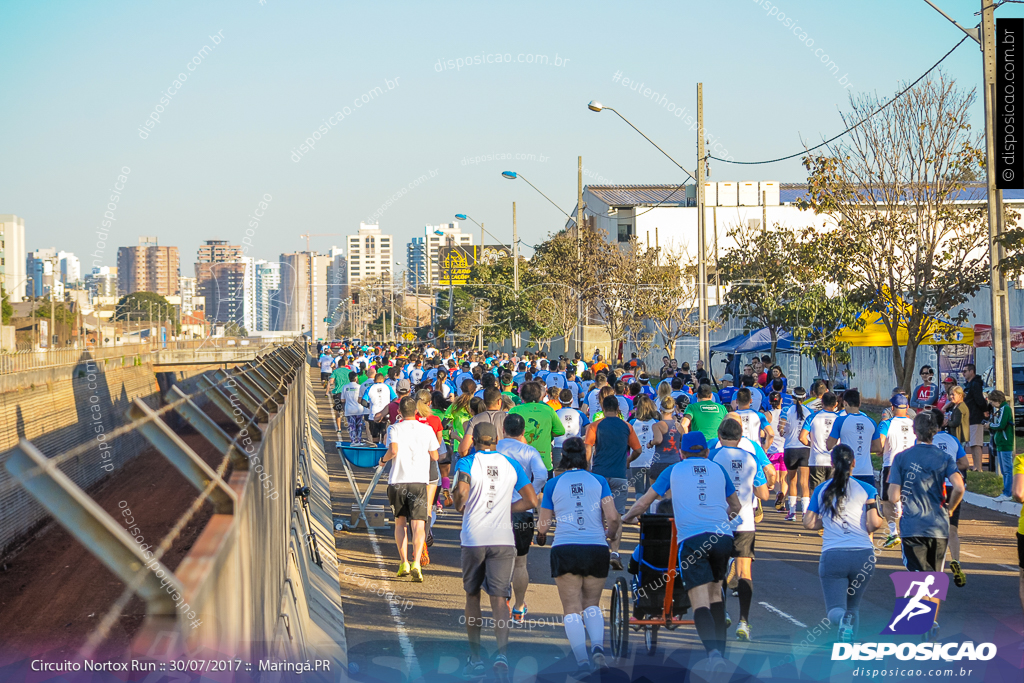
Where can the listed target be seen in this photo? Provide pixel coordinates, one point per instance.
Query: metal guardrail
(232, 581)
(22, 361)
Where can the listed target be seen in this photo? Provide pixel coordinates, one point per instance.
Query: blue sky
(79, 79)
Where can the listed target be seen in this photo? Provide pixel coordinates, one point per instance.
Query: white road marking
(782, 614)
(411, 662)
(964, 552)
(1010, 568)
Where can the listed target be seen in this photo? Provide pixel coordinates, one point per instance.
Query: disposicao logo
(917, 599)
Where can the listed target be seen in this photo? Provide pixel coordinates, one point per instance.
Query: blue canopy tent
(756, 342)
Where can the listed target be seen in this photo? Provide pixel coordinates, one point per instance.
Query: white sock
(593, 618)
(576, 632)
(433, 514)
(892, 528)
(805, 503)
(792, 503)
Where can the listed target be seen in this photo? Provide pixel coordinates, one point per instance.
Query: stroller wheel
(620, 618)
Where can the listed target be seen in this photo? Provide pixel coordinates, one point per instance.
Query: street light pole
(515, 265)
(579, 249)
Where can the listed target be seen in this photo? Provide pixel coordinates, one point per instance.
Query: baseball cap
(403, 385)
(726, 378)
(693, 442)
(949, 380)
(839, 387)
(899, 401)
(485, 431)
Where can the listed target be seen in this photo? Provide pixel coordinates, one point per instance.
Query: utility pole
(702, 273)
(1001, 348)
(985, 35)
(579, 250)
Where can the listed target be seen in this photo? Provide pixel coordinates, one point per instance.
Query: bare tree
(906, 240)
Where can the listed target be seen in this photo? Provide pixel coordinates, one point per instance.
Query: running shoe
(959, 578)
(732, 577)
(424, 557)
(892, 541)
(403, 569)
(932, 635)
(758, 512)
(616, 562)
(743, 631)
(780, 502)
(520, 616)
(500, 667)
(417, 573)
(474, 669)
(846, 628)
(791, 515)
(716, 662)
(597, 659)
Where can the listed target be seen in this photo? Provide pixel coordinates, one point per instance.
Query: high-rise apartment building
(337, 278)
(225, 292)
(41, 266)
(208, 255)
(421, 253)
(148, 268)
(371, 255)
(102, 281)
(303, 293)
(12, 255)
(187, 291)
(70, 268)
(268, 284)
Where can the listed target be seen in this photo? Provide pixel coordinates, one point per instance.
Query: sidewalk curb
(1006, 507)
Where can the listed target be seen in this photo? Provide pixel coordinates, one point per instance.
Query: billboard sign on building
(456, 262)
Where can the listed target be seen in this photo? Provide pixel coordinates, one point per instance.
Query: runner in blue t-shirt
(706, 507)
(584, 506)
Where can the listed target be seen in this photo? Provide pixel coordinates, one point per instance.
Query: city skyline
(212, 158)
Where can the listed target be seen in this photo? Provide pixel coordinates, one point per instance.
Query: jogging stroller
(657, 597)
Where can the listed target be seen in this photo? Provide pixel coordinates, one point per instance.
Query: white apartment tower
(370, 255)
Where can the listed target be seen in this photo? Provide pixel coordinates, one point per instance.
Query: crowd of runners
(529, 447)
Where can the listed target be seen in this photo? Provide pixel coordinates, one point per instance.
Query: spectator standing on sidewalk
(927, 392)
(977, 406)
(1001, 428)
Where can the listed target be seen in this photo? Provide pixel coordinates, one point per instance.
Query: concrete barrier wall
(251, 578)
(59, 408)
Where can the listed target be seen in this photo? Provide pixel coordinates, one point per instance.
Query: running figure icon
(916, 606)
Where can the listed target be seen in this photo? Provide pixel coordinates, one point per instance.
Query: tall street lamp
(578, 221)
(698, 177)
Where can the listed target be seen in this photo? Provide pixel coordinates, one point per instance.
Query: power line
(856, 125)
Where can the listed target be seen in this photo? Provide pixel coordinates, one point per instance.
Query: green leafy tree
(138, 305)
(6, 309)
(233, 329)
(905, 243)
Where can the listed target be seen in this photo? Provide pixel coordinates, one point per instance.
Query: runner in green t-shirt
(506, 389)
(542, 422)
(705, 415)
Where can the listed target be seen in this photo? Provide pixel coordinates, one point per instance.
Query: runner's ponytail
(834, 495)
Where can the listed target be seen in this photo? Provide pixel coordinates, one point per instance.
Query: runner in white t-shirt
(892, 437)
(523, 523)
(378, 395)
(749, 480)
(486, 482)
(412, 445)
(575, 423)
